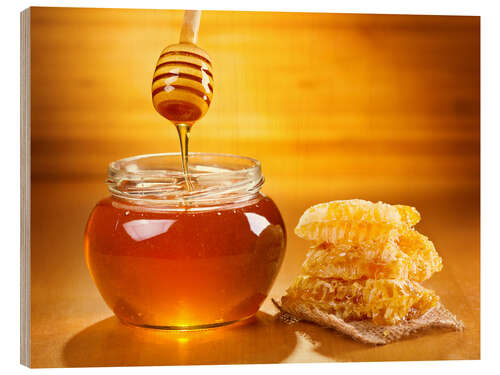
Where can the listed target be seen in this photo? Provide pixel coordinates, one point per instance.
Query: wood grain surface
(335, 106)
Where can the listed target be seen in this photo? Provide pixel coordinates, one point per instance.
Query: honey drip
(183, 131)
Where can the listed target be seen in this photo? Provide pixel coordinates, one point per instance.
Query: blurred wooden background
(385, 102)
(336, 106)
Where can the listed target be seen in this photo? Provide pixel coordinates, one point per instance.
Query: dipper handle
(190, 26)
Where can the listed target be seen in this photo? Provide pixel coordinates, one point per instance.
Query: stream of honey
(182, 115)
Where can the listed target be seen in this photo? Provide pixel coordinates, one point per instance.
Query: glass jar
(165, 257)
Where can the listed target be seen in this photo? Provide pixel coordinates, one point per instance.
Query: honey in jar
(166, 257)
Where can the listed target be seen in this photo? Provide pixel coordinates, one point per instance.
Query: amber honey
(184, 268)
(179, 112)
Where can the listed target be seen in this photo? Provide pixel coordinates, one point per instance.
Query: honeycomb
(409, 215)
(354, 262)
(413, 256)
(425, 259)
(348, 233)
(346, 220)
(365, 262)
(384, 301)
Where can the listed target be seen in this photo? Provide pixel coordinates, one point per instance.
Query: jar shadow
(261, 339)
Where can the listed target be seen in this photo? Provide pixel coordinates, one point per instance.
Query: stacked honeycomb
(366, 262)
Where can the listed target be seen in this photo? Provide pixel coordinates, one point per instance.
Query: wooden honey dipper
(182, 86)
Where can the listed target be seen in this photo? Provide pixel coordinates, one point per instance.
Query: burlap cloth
(365, 331)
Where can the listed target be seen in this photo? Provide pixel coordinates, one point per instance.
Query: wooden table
(71, 325)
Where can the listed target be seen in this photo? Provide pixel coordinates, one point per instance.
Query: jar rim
(158, 179)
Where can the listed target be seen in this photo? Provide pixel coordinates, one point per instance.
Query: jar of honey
(164, 256)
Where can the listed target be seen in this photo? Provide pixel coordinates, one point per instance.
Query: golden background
(335, 106)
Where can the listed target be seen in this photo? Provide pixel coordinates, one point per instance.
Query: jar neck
(141, 205)
(192, 201)
(158, 181)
